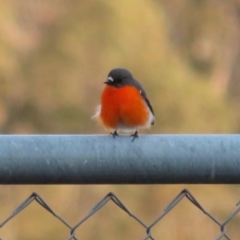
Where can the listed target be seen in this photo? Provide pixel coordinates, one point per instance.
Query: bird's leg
(135, 135)
(114, 134)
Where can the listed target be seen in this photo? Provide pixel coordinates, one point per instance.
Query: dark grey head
(119, 77)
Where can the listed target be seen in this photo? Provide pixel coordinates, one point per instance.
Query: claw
(114, 134)
(134, 135)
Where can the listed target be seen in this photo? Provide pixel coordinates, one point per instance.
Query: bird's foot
(135, 135)
(114, 134)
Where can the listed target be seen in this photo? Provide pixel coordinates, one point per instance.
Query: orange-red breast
(124, 104)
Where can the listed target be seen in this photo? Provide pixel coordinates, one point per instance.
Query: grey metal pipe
(101, 159)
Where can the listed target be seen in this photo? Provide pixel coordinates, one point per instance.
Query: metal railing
(89, 159)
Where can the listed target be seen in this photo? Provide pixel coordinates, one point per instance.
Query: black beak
(109, 80)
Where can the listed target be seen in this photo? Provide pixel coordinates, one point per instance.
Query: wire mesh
(112, 197)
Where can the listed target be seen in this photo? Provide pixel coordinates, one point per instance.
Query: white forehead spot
(140, 91)
(110, 79)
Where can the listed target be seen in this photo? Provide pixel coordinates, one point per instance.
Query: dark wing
(144, 95)
(148, 103)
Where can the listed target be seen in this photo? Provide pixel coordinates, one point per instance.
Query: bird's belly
(124, 108)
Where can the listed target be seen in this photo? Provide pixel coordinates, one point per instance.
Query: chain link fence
(112, 197)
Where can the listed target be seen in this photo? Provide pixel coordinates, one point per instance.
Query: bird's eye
(118, 80)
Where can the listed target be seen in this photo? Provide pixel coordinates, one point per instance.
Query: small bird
(124, 104)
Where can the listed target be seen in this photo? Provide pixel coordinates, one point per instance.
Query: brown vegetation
(55, 56)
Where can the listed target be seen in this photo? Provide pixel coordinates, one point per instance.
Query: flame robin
(124, 104)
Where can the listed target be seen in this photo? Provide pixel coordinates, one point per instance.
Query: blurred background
(55, 56)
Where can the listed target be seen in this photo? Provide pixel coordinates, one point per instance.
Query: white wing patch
(97, 113)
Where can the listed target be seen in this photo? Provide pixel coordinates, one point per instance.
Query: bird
(124, 104)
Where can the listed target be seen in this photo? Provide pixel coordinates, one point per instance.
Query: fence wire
(112, 197)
